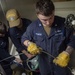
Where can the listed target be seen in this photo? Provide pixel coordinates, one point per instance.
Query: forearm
(25, 52)
(69, 49)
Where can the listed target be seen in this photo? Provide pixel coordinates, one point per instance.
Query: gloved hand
(62, 59)
(33, 48)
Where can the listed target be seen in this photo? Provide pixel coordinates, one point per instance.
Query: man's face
(46, 20)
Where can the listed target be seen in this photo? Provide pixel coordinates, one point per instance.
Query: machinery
(70, 22)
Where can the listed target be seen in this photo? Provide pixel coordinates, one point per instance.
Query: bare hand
(29, 55)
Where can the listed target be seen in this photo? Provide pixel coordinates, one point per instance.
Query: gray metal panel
(2, 12)
(25, 7)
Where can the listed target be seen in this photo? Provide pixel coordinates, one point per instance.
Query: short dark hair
(44, 7)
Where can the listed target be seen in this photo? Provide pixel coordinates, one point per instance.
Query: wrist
(69, 50)
(26, 43)
(66, 52)
(24, 51)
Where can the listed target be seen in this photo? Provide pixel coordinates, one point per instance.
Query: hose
(10, 57)
(28, 60)
(48, 54)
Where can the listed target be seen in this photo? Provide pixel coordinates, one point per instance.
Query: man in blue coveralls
(50, 34)
(17, 26)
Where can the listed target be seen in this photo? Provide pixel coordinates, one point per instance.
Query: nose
(47, 22)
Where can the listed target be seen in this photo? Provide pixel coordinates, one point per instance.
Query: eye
(44, 20)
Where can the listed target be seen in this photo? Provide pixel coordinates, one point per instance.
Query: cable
(10, 57)
(28, 60)
(48, 54)
(35, 60)
(54, 57)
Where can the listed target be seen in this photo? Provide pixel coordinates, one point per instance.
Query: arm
(28, 41)
(69, 49)
(64, 57)
(71, 45)
(15, 37)
(27, 36)
(16, 40)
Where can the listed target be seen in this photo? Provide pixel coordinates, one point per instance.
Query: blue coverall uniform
(60, 37)
(15, 34)
(4, 53)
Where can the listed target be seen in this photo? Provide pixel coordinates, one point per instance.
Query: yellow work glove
(62, 59)
(33, 48)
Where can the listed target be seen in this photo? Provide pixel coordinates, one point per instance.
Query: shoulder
(25, 20)
(59, 19)
(13, 30)
(33, 25)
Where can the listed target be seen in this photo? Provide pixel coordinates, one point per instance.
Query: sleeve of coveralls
(72, 42)
(72, 39)
(27, 35)
(16, 41)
